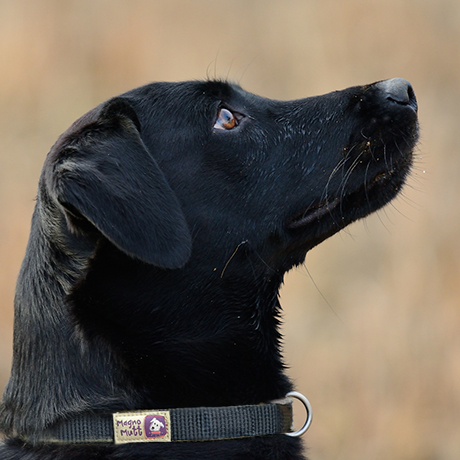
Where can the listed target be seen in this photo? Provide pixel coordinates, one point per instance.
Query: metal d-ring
(307, 405)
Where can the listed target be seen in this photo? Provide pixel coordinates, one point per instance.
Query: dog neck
(199, 350)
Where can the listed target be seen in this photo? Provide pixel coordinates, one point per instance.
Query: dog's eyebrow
(219, 89)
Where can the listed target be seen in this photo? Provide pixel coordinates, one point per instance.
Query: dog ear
(106, 174)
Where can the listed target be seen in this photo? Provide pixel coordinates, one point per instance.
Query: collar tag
(142, 426)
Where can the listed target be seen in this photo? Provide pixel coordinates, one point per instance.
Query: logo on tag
(155, 426)
(141, 426)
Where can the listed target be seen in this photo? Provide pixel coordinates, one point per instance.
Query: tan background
(380, 360)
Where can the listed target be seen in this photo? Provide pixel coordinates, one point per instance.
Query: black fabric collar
(178, 425)
(185, 424)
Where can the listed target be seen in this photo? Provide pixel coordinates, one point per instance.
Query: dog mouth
(313, 214)
(363, 201)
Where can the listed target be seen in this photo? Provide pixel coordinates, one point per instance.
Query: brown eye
(225, 120)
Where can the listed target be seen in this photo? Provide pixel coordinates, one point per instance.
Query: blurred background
(372, 320)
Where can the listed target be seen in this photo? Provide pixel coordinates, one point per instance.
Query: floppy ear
(106, 174)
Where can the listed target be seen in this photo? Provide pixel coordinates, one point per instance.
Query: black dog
(165, 221)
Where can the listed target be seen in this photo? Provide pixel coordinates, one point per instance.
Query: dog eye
(225, 120)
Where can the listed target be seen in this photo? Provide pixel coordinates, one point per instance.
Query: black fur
(159, 243)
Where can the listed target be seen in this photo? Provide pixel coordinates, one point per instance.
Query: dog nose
(398, 90)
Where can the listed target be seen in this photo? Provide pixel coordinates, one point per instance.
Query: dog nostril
(398, 90)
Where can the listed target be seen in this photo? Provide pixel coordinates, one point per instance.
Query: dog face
(282, 175)
(165, 221)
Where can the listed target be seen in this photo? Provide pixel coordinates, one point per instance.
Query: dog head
(149, 169)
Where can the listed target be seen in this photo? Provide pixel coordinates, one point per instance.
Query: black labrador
(165, 221)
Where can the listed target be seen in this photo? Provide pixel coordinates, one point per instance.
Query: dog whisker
(231, 257)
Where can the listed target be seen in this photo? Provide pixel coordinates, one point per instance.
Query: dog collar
(179, 425)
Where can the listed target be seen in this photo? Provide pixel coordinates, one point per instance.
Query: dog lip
(318, 211)
(313, 213)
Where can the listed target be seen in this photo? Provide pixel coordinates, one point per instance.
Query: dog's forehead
(219, 88)
(195, 92)
(233, 93)
(179, 105)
